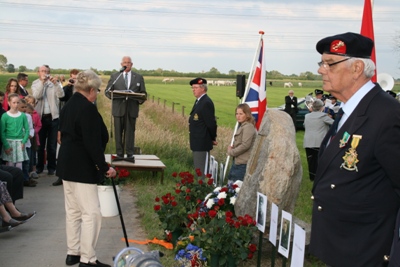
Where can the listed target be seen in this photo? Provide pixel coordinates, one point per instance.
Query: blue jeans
(48, 133)
(237, 172)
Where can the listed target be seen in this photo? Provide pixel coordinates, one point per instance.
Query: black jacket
(84, 137)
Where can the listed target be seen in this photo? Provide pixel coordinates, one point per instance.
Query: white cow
(300, 85)
(289, 84)
(168, 80)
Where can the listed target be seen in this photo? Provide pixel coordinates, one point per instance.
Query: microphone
(122, 69)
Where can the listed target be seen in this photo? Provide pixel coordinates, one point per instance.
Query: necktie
(336, 122)
(126, 80)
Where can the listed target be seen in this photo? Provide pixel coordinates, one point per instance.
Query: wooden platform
(142, 163)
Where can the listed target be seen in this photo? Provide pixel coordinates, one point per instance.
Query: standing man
(357, 184)
(129, 81)
(291, 106)
(202, 126)
(22, 82)
(47, 90)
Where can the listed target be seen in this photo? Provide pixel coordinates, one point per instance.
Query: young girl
(14, 134)
(11, 87)
(37, 125)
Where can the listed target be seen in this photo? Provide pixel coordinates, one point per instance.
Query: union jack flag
(256, 96)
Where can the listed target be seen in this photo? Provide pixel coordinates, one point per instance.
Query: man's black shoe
(58, 182)
(129, 156)
(51, 172)
(72, 259)
(97, 263)
(120, 155)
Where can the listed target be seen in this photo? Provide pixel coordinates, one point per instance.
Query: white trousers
(83, 219)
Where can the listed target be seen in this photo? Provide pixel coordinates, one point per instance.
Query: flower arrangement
(173, 208)
(190, 256)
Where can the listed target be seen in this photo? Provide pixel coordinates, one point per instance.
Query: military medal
(195, 117)
(350, 158)
(344, 140)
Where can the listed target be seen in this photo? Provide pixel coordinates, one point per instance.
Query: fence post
(165, 101)
(153, 98)
(183, 111)
(158, 101)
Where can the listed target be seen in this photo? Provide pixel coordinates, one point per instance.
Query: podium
(127, 94)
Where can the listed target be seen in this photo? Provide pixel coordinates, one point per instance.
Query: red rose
(237, 225)
(209, 175)
(157, 207)
(203, 214)
(250, 256)
(187, 198)
(166, 200)
(252, 248)
(221, 201)
(200, 182)
(174, 174)
(174, 203)
(178, 191)
(188, 190)
(212, 213)
(198, 172)
(157, 199)
(199, 201)
(210, 181)
(229, 214)
(224, 189)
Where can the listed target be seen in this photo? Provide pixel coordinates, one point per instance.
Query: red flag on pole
(367, 29)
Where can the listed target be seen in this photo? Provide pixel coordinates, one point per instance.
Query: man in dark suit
(291, 106)
(357, 184)
(22, 82)
(202, 126)
(134, 82)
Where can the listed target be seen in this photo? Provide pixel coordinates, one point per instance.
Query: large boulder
(274, 168)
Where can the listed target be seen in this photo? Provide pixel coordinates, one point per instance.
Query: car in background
(302, 110)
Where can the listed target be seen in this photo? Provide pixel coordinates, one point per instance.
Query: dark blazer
(84, 137)
(119, 103)
(288, 104)
(23, 91)
(202, 125)
(354, 212)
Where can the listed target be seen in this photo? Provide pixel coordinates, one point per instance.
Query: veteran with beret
(202, 126)
(357, 184)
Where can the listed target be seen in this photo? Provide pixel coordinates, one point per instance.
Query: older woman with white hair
(316, 125)
(81, 166)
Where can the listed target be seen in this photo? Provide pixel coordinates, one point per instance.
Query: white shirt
(352, 103)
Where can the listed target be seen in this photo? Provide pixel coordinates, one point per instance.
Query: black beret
(198, 81)
(318, 92)
(331, 96)
(346, 44)
(391, 93)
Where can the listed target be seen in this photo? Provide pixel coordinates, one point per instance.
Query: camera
(71, 81)
(47, 76)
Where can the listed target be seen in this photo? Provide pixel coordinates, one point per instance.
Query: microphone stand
(132, 159)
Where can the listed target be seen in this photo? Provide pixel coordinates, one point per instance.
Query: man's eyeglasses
(327, 65)
(98, 90)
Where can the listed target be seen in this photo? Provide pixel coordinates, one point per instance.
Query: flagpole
(252, 71)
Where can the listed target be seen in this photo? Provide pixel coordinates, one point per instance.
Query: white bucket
(108, 203)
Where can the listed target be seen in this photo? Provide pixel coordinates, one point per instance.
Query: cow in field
(300, 85)
(289, 84)
(168, 80)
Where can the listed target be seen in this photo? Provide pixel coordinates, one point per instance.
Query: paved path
(41, 241)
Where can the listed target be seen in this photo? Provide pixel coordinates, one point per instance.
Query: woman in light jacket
(243, 142)
(316, 125)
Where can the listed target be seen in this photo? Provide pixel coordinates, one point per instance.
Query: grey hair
(317, 105)
(85, 80)
(205, 87)
(369, 65)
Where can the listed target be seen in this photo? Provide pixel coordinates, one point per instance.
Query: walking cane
(120, 212)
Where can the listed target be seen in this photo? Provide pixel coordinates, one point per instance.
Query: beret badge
(338, 47)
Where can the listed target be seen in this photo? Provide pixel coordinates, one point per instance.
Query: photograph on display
(284, 236)
(273, 227)
(261, 215)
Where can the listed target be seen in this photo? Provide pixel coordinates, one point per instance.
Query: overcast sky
(187, 36)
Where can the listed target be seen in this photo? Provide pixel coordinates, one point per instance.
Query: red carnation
(157, 199)
(157, 207)
(210, 181)
(229, 214)
(212, 213)
(221, 201)
(209, 175)
(174, 203)
(224, 189)
(178, 191)
(198, 172)
(166, 200)
(174, 174)
(200, 182)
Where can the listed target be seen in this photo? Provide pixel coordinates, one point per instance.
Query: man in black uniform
(202, 126)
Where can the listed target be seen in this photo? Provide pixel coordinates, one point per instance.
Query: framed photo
(261, 215)
(273, 229)
(284, 236)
